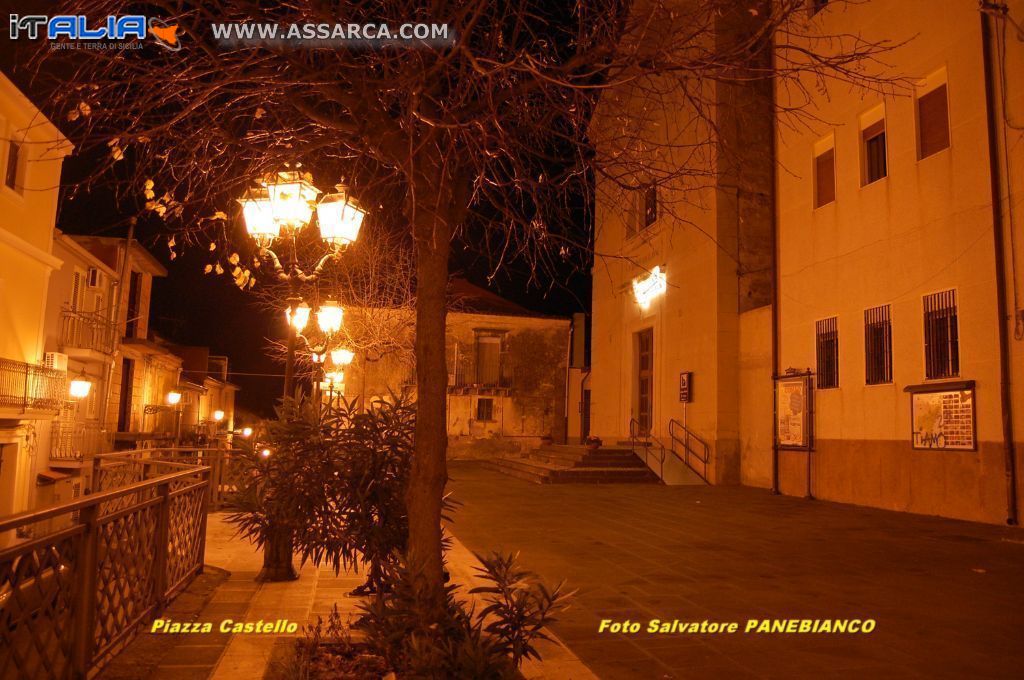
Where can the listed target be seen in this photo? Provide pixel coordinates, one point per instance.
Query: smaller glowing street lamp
(298, 316)
(259, 216)
(246, 432)
(292, 197)
(218, 415)
(173, 398)
(342, 357)
(339, 217)
(265, 453)
(80, 387)
(329, 317)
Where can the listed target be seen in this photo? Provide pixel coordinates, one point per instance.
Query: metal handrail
(74, 595)
(687, 436)
(634, 432)
(88, 330)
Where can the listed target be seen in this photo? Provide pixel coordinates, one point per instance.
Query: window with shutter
(874, 152)
(825, 178)
(932, 122)
(488, 360)
(12, 175)
(75, 303)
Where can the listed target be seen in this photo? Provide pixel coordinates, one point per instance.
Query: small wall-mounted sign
(686, 386)
(942, 416)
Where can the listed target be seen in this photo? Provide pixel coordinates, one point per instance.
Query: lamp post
(283, 204)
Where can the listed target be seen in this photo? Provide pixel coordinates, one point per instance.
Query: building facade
(507, 373)
(888, 272)
(844, 320)
(31, 392)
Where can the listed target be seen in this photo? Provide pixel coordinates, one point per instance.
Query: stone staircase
(576, 464)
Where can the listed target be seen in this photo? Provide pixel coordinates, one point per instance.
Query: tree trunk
(432, 232)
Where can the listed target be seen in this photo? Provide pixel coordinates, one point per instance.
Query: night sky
(189, 307)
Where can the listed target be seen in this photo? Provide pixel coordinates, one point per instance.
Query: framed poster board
(686, 386)
(942, 417)
(793, 412)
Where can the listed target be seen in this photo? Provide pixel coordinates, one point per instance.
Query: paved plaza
(948, 596)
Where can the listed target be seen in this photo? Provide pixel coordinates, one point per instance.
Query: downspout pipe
(1005, 395)
(775, 290)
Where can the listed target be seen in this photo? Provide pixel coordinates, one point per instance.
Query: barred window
(874, 152)
(485, 409)
(827, 342)
(877, 346)
(941, 336)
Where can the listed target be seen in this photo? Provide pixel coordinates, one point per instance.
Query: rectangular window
(877, 346)
(485, 410)
(134, 305)
(941, 336)
(825, 178)
(874, 152)
(488, 360)
(650, 205)
(12, 174)
(932, 122)
(827, 343)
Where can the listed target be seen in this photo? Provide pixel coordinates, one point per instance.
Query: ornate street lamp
(282, 205)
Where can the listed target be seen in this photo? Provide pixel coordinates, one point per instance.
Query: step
(524, 474)
(597, 458)
(598, 475)
(540, 472)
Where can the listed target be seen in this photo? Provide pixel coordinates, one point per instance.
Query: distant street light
(80, 387)
(218, 415)
(173, 398)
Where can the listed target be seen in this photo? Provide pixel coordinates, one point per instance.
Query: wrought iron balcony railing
(88, 330)
(75, 441)
(31, 387)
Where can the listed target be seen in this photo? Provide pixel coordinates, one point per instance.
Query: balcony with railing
(85, 335)
(29, 387)
(73, 442)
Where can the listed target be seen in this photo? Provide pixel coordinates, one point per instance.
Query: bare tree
(486, 138)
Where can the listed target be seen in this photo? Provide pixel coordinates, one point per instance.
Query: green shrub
(490, 643)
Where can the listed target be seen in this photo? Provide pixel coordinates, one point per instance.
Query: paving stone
(733, 553)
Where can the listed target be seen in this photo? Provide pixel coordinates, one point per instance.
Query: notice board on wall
(942, 416)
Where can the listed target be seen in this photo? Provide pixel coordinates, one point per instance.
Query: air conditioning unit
(95, 278)
(56, 361)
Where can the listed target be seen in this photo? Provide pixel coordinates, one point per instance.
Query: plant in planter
(335, 480)
(489, 643)
(593, 442)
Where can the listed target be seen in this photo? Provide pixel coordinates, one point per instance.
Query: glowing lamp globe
(265, 453)
(342, 357)
(329, 317)
(173, 398)
(259, 216)
(246, 432)
(218, 415)
(79, 388)
(298, 316)
(292, 197)
(340, 217)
